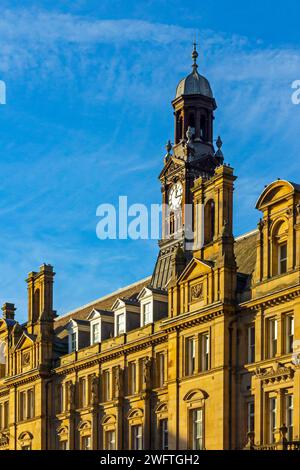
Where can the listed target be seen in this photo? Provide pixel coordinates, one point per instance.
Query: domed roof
(194, 83)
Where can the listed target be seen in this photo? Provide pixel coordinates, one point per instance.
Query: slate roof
(103, 303)
(245, 253)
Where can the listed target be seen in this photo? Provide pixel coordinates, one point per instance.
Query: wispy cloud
(124, 71)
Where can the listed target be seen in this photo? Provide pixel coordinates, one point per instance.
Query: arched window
(279, 248)
(203, 127)
(36, 305)
(209, 221)
(179, 128)
(192, 121)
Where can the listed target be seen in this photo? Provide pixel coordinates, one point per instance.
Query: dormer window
(73, 342)
(96, 333)
(78, 334)
(154, 305)
(101, 325)
(120, 324)
(147, 317)
(127, 315)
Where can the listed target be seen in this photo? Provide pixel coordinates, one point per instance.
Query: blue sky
(88, 113)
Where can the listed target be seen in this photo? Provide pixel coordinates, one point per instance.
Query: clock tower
(191, 156)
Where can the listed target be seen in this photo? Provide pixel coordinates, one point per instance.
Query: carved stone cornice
(279, 373)
(190, 319)
(118, 351)
(271, 300)
(30, 376)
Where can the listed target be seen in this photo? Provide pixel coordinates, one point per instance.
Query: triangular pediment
(26, 341)
(196, 268)
(94, 314)
(172, 165)
(119, 303)
(145, 292)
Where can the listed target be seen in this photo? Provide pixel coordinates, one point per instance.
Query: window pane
(106, 386)
(147, 313)
(73, 342)
(137, 437)
(190, 356)
(289, 333)
(283, 258)
(250, 417)
(289, 415)
(96, 333)
(120, 324)
(197, 429)
(272, 332)
(272, 419)
(132, 378)
(164, 434)
(251, 344)
(86, 443)
(204, 352)
(111, 440)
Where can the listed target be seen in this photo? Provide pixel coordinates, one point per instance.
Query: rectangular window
(160, 358)
(120, 324)
(250, 416)
(63, 445)
(163, 425)
(30, 404)
(86, 443)
(73, 342)
(82, 392)
(204, 351)
(106, 385)
(251, 344)
(197, 429)
(272, 340)
(137, 437)
(147, 313)
(60, 398)
(272, 419)
(132, 378)
(22, 406)
(90, 381)
(110, 437)
(96, 333)
(289, 415)
(282, 261)
(4, 418)
(190, 356)
(289, 334)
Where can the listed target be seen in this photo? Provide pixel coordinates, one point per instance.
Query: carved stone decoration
(197, 291)
(261, 225)
(95, 389)
(71, 395)
(26, 359)
(278, 373)
(298, 213)
(147, 371)
(4, 439)
(118, 380)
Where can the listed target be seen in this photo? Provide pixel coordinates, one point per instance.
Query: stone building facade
(201, 354)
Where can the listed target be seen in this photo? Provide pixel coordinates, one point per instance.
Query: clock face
(175, 196)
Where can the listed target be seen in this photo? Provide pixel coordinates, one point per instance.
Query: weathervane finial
(194, 56)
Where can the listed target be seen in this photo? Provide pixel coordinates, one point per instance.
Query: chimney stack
(8, 311)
